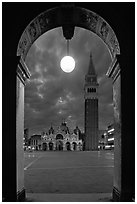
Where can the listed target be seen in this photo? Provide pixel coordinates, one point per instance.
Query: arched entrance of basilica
(59, 145)
(44, 146)
(68, 146)
(94, 23)
(59, 137)
(50, 146)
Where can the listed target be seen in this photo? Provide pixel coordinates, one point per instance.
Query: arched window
(59, 136)
(68, 146)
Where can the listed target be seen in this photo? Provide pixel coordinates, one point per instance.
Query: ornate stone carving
(47, 20)
(90, 19)
(104, 30)
(68, 17)
(114, 45)
(23, 44)
(32, 30)
(43, 22)
(22, 71)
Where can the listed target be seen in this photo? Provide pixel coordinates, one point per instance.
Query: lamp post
(67, 63)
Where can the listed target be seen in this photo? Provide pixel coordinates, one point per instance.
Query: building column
(64, 146)
(123, 166)
(71, 147)
(22, 75)
(54, 146)
(9, 117)
(77, 147)
(47, 146)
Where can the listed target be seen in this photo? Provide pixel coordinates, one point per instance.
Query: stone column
(9, 66)
(114, 73)
(54, 146)
(22, 75)
(77, 147)
(64, 146)
(47, 146)
(71, 146)
(123, 170)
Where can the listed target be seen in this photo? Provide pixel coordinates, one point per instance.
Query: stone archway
(68, 146)
(74, 146)
(80, 147)
(50, 146)
(60, 145)
(44, 146)
(68, 17)
(59, 137)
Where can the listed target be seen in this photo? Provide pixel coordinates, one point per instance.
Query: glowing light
(111, 130)
(110, 139)
(107, 146)
(67, 64)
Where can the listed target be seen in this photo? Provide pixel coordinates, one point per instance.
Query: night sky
(51, 94)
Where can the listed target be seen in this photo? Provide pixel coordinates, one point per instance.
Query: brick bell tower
(91, 108)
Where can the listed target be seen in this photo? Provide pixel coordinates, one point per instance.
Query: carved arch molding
(69, 16)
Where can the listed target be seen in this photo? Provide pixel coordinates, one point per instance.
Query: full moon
(67, 64)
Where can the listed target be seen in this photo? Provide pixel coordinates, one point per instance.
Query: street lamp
(67, 63)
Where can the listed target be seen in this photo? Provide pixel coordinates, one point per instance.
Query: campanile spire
(91, 107)
(91, 68)
(91, 73)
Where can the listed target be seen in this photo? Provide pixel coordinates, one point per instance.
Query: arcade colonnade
(60, 145)
(57, 145)
(68, 17)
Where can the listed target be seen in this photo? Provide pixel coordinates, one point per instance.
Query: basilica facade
(59, 139)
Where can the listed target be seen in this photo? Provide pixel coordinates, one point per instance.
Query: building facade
(102, 139)
(110, 137)
(59, 139)
(35, 142)
(26, 138)
(106, 138)
(91, 108)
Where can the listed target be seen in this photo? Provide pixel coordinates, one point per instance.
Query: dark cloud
(52, 94)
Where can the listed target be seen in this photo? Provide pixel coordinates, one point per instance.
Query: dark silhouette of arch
(74, 145)
(76, 16)
(68, 146)
(59, 145)
(126, 60)
(44, 147)
(50, 146)
(59, 137)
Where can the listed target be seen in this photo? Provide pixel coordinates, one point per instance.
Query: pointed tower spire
(91, 107)
(91, 68)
